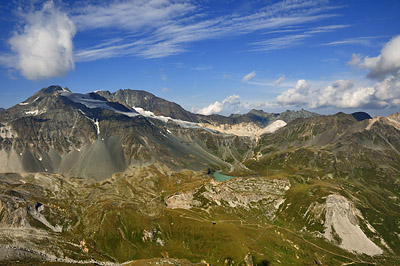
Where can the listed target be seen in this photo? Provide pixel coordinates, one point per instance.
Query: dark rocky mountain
(360, 116)
(85, 179)
(2, 109)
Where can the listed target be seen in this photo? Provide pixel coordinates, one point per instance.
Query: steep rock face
(342, 225)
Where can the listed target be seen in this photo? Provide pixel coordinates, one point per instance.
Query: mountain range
(127, 177)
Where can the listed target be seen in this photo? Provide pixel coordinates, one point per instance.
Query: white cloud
(295, 96)
(388, 90)
(342, 94)
(346, 94)
(388, 62)
(228, 104)
(279, 80)
(44, 47)
(249, 76)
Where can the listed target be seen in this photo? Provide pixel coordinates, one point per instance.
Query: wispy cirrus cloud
(160, 28)
(364, 41)
(279, 80)
(132, 16)
(249, 76)
(291, 40)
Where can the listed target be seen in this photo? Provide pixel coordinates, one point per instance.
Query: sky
(211, 57)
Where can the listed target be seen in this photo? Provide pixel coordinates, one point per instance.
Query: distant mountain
(2, 109)
(250, 124)
(360, 116)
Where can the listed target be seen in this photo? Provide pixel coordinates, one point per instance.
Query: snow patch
(34, 112)
(273, 127)
(23, 103)
(97, 126)
(166, 119)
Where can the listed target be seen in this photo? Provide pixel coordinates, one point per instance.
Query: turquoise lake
(221, 177)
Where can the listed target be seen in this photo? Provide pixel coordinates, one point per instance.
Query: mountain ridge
(159, 106)
(87, 180)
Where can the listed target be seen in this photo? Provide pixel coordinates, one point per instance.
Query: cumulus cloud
(228, 104)
(279, 80)
(346, 93)
(44, 47)
(388, 90)
(295, 96)
(342, 94)
(249, 76)
(388, 62)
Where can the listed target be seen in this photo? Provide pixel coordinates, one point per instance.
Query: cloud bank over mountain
(385, 92)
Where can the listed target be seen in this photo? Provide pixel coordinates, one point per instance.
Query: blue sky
(208, 56)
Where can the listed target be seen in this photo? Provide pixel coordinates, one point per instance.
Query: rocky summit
(128, 178)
